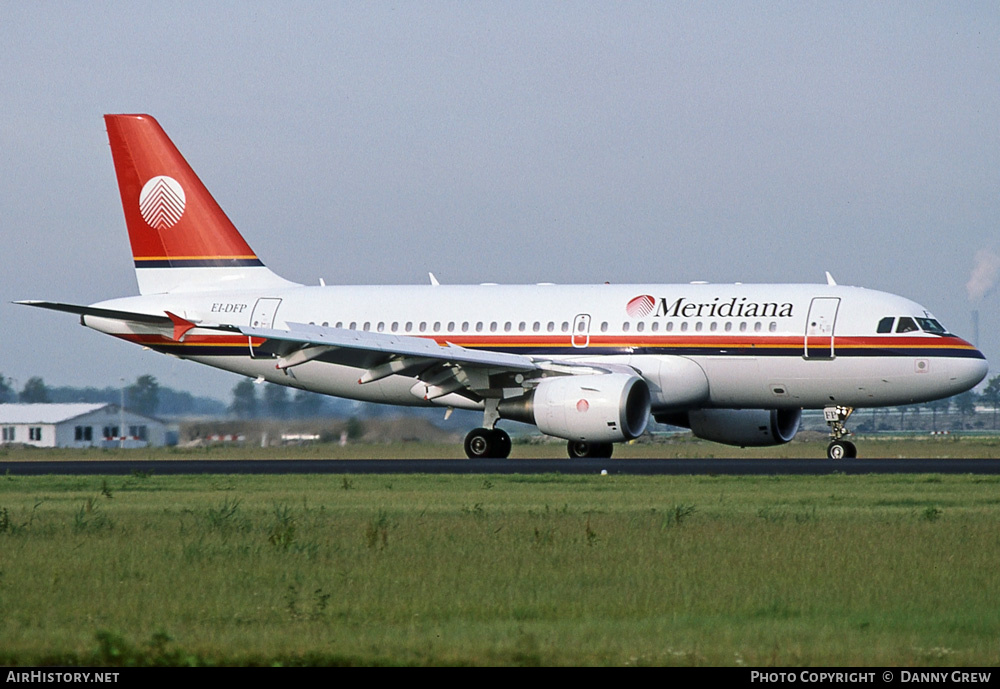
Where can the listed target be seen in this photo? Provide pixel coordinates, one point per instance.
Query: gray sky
(507, 142)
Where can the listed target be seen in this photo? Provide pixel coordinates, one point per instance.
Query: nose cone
(967, 372)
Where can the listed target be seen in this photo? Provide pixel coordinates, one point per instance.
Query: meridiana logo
(640, 306)
(161, 202)
(719, 307)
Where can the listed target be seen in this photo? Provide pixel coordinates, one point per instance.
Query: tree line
(144, 396)
(248, 400)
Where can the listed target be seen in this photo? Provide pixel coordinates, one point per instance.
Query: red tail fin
(173, 221)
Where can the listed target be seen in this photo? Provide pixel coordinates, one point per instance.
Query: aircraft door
(263, 316)
(581, 330)
(819, 339)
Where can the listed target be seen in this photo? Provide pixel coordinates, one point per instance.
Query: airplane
(734, 363)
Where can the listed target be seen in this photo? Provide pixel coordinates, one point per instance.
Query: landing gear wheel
(483, 443)
(841, 449)
(577, 449)
(502, 444)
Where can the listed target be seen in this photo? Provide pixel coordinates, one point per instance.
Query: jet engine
(591, 408)
(742, 427)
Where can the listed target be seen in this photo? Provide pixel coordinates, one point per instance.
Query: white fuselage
(697, 346)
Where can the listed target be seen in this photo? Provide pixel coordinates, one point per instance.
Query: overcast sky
(506, 142)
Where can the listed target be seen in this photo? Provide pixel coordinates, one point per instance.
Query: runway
(647, 467)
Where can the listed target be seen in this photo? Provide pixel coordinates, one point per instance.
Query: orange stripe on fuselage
(613, 341)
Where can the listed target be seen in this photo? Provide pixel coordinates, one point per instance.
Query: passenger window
(640, 326)
(885, 325)
(906, 325)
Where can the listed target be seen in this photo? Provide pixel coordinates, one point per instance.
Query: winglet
(181, 326)
(829, 279)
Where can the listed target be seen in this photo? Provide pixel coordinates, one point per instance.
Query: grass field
(524, 570)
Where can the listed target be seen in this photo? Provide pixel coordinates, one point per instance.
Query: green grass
(524, 570)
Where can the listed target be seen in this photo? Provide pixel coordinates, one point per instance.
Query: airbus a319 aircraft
(734, 363)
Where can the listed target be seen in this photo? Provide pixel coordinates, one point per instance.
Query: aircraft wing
(439, 369)
(388, 344)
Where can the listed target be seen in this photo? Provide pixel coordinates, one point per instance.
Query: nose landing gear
(839, 448)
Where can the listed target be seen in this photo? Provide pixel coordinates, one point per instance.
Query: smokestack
(984, 274)
(975, 327)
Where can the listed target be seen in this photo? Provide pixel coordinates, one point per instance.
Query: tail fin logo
(161, 202)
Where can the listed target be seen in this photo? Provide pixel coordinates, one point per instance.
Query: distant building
(80, 425)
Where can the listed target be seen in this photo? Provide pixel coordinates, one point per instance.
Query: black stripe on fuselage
(773, 352)
(197, 262)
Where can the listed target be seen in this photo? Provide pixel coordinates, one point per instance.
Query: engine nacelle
(593, 408)
(742, 427)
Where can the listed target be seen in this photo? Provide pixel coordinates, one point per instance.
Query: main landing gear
(839, 448)
(487, 443)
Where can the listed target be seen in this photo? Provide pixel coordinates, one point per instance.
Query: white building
(80, 425)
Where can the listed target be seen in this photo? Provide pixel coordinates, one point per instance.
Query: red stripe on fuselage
(645, 341)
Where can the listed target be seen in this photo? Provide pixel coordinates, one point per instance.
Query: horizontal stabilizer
(100, 313)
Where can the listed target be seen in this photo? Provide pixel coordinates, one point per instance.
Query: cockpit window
(906, 325)
(931, 326)
(885, 325)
